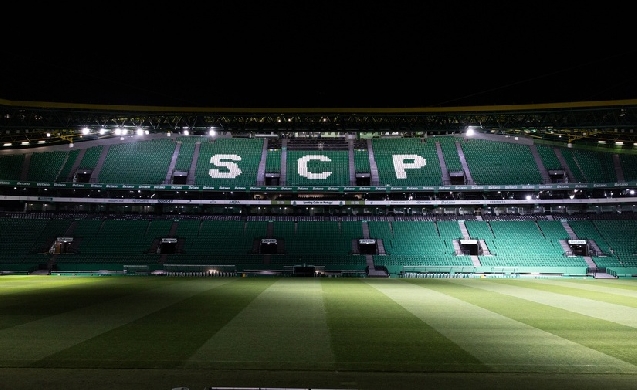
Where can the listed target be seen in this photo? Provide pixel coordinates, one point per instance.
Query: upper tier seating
(361, 161)
(142, 162)
(273, 161)
(423, 170)
(236, 162)
(589, 166)
(549, 158)
(449, 152)
(45, 166)
(500, 162)
(186, 150)
(11, 166)
(324, 168)
(523, 243)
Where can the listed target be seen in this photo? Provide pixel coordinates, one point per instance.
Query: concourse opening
(367, 246)
(578, 247)
(168, 245)
(269, 246)
(470, 247)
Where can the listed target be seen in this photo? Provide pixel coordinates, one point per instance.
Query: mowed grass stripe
(107, 308)
(29, 298)
(609, 338)
(625, 283)
(371, 332)
(502, 343)
(285, 327)
(582, 289)
(562, 299)
(166, 337)
(612, 286)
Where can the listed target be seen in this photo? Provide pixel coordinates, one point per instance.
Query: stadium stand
(382, 206)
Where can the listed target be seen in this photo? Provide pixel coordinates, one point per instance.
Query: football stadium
(476, 247)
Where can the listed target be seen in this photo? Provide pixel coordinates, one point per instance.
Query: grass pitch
(98, 333)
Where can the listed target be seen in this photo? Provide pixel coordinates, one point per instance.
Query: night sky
(308, 54)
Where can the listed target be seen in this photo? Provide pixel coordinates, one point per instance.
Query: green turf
(166, 337)
(164, 332)
(371, 333)
(608, 337)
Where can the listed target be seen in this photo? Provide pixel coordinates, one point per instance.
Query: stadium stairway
(456, 247)
(540, 165)
(192, 172)
(284, 162)
(446, 179)
(565, 247)
(618, 168)
(365, 228)
(100, 163)
(463, 229)
(352, 165)
(76, 164)
(465, 167)
(590, 262)
(485, 248)
(173, 162)
(567, 169)
(373, 272)
(569, 230)
(592, 244)
(25, 166)
(381, 247)
(372, 164)
(261, 168)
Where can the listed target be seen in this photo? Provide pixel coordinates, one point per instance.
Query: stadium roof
(36, 123)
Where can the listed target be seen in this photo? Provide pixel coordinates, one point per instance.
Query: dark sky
(308, 54)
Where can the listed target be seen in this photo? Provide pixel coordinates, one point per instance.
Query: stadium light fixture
(140, 131)
(85, 131)
(470, 131)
